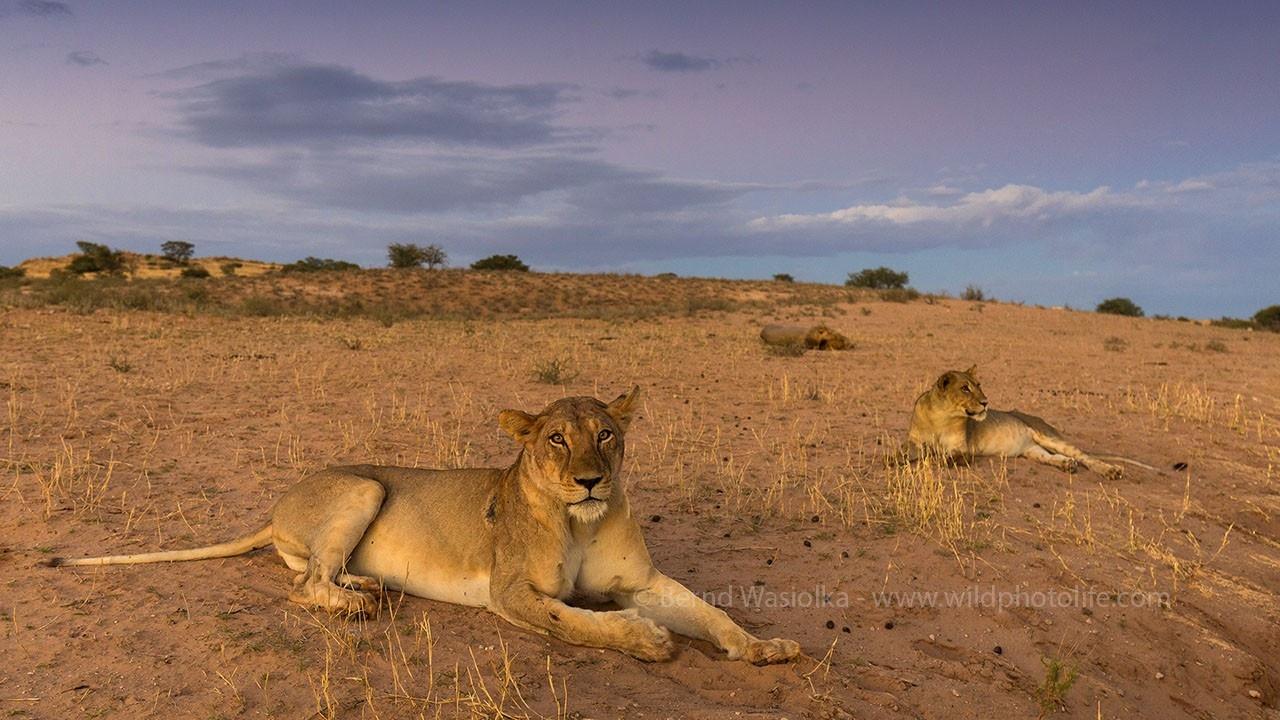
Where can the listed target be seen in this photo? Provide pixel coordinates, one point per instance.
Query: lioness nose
(588, 483)
(984, 403)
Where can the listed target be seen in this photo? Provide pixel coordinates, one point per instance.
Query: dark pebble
(845, 629)
(808, 544)
(655, 518)
(999, 650)
(815, 518)
(769, 561)
(831, 624)
(1179, 466)
(1035, 505)
(888, 625)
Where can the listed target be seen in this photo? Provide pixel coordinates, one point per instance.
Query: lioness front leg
(672, 605)
(625, 630)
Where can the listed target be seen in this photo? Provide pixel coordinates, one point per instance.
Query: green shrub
(500, 262)
(96, 258)
(1268, 318)
(178, 252)
(784, 277)
(11, 272)
(315, 264)
(973, 293)
(881, 278)
(230, 268)
(1119, 306)
(194, 271)
(408, 255)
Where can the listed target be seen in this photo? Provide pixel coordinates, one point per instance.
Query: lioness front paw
(767, 652)
(648, 641)
(1112, 472)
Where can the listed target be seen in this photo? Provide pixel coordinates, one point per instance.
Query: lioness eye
(966, 388)
(605, 435)
(556, 439)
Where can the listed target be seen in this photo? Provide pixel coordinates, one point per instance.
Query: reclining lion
(518, 540)
(951, 418)
(818, 337)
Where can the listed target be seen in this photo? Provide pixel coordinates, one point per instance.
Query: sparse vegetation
(973, 293)
(315, 264)
(1119, 306)
(11, 272)
(881, 278)
(1058, 679)
(177, 252)
(230, 268)
(784, 277)
(1115, 344)
(500, 262)
(786, 350)
(194, 271)
(556, 371)
(899, 295)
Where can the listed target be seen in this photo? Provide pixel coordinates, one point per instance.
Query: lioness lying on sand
(519, 540)
(952, 418)
(818, 337)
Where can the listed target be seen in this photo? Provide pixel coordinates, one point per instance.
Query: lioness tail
(239, 546)
(1123, 459)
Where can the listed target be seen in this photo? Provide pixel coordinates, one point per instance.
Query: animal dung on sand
(816, 337)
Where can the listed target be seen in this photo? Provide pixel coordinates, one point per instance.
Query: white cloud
(1191, 185)
(985, 208)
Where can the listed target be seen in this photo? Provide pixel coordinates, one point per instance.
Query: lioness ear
(623, 407)
(972, 372)
(945, 381)
(517, 424)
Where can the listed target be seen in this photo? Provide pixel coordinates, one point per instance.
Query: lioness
(519, 540)
(818, 337)
(952, 418)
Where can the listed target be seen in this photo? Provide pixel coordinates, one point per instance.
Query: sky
(1049, 153)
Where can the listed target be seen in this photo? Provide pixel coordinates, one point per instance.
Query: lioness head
(575, 446)
(962, 393)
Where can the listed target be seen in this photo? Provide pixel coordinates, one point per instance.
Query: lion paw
(1112, 472)
(767, 652)
(1071, 465)
(335, 599)
(649, 641)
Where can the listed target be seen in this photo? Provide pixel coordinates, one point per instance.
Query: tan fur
(818, 337)
(951, 418)
(519, 540)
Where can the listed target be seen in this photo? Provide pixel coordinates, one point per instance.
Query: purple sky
(1051, 153)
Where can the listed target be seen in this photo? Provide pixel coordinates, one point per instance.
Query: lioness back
(783, 334)
(437, 520)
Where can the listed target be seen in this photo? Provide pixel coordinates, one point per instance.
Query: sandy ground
(761, 485)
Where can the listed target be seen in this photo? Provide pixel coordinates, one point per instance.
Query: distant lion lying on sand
(818, 337)
(951, 418)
